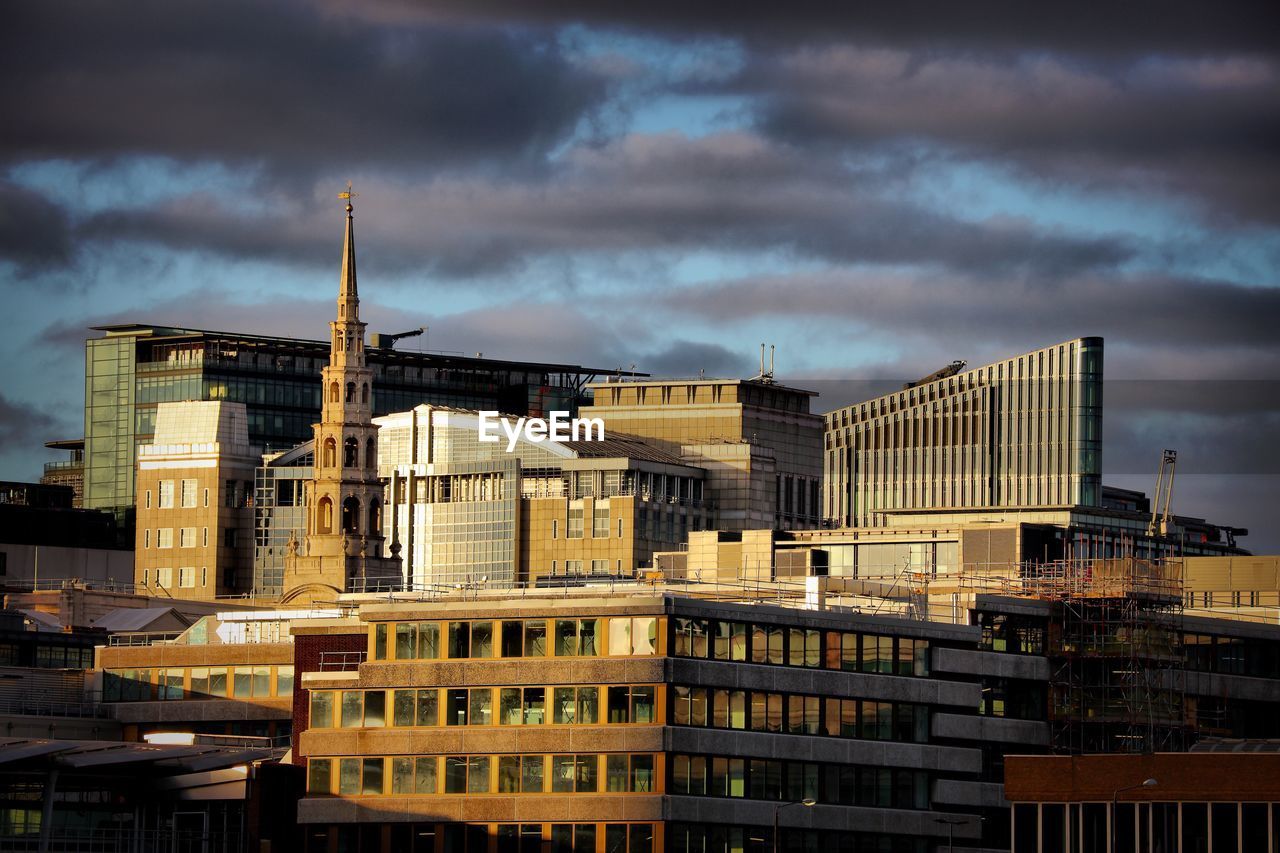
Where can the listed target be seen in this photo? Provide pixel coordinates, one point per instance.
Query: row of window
(1002, 632)
(188, 493)
(792, 781)
(214, 682)
(716, 639)
(615, 773)
(616, 637)
(46, 656)
(761, 711)
(1232, 655)
(474, 706)
(709, 838)
(188, 537)
(475, 838)
(187, 576)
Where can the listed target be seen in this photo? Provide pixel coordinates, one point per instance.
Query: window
(164, 537)
(188, 498)
(619, 528)
(576, 637)
(319, 775)
(186, 577)
(555, 530)
(575, 522)
(599, 567)
(600, 521)
(186, 537)
(166, 494)
(164, 578)
(146, 540)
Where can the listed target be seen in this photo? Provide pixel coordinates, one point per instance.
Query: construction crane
(950, 370)
(386, 341)
(1159, 525)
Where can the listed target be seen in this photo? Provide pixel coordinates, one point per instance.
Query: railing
(100, 585)
(341, 661)
(127, 840)
(243, 741)
(44, 708)
(143, 638)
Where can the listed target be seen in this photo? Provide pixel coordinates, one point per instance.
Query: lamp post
(1145, 783)
(807, 802)
(952, 823)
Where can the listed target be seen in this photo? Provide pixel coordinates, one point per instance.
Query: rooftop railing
(341, 661)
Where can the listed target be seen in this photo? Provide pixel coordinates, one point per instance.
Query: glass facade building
(1023, 432)
(133, 368)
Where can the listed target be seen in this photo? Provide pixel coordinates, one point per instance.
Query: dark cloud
(1152, 310)
(729, 191)
(23, 425)
(34, 231)
(690, 358)
(279, 85)
(1146, 26)
(1207, 128)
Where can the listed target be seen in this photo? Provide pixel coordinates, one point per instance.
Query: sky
(876, 189)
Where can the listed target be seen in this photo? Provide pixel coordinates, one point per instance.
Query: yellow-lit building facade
(194, 514)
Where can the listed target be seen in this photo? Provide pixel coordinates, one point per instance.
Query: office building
(1022, 433)
(470, 512)
(69, 471)
(757, 440)
(133, 368)
(677, 715)
(195, 502)
(279, 513)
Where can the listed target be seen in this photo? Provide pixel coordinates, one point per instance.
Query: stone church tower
(344, 543)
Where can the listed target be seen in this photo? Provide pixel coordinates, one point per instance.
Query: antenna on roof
(762, 376)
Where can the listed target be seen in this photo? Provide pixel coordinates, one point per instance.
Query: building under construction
(1114, 643)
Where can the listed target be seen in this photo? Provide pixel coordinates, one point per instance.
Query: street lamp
(806, 802)
(1145, 783)
(952, 823)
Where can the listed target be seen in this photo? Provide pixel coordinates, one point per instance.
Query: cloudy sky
(669, 184)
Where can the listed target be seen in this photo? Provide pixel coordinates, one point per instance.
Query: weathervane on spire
(348, 195)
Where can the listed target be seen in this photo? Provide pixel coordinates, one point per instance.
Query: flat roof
(163, 333)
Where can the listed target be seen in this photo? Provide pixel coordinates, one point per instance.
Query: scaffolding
(1114, 643)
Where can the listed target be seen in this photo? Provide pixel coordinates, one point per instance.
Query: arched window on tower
(351, 515)
(324, 516)
(370, 454)
(364, 393)
(350, 449)
(351, 392)
(334, 392)
(340, 343)
(375, 517)
(330, 459)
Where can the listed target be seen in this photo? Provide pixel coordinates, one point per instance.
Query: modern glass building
(133, 368)
(1023, 432)
(468, 512)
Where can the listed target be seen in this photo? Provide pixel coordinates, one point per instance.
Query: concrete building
(1022, 433)
(678, 715)
(195, 497)
(343, 546)
(466, 511)
(757, 440)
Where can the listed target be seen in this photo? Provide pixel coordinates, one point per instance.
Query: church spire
(348, 296)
